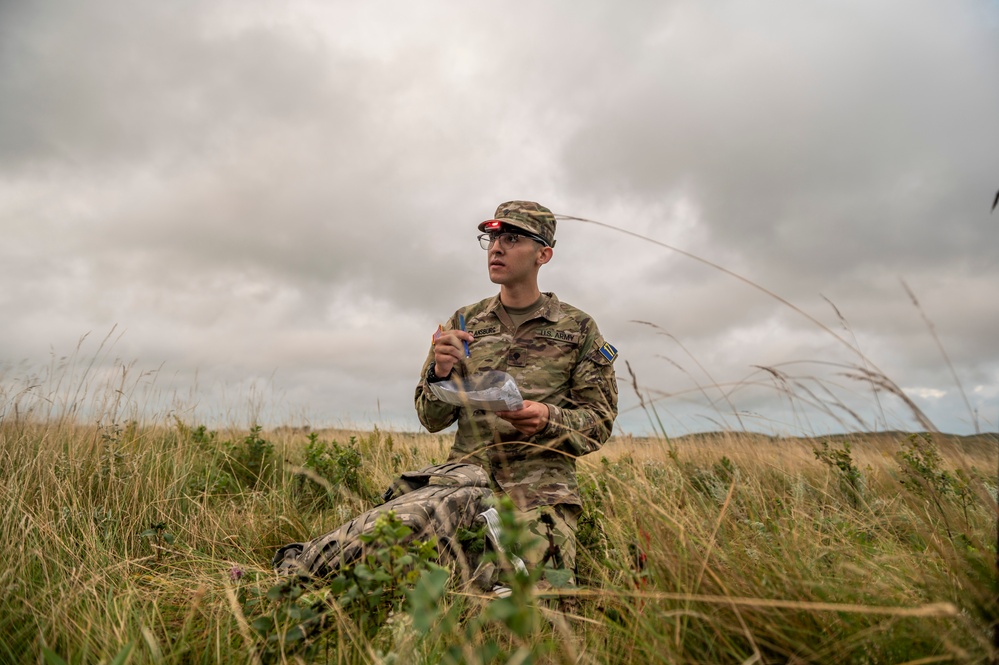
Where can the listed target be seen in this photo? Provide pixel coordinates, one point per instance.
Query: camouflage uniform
(558, 358)
(434, 502)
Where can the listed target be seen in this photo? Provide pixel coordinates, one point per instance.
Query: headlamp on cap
(495, 227)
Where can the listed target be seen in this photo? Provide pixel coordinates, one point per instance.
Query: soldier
(563, 368)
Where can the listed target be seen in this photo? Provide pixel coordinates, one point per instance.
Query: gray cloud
(815, 141)
(285, 195)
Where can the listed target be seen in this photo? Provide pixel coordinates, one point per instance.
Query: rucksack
(433, 502)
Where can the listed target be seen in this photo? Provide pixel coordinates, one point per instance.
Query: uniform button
(516, 356)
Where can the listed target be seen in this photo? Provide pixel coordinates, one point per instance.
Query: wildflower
(235, 573)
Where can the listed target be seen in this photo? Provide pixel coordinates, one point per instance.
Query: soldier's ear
(544, 256)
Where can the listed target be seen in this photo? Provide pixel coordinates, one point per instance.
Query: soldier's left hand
(530, 419)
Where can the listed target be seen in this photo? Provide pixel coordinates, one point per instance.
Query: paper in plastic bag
(492, 390)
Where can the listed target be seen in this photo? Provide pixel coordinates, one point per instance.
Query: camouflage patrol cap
(528, 216)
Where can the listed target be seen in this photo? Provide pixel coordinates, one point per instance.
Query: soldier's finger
(526, 428)
(447, 352)
(520, 421)
(447, 344)
(449, 339)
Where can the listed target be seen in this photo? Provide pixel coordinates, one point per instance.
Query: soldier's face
(515, 264)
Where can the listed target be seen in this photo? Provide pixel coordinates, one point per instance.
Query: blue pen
(461, 324)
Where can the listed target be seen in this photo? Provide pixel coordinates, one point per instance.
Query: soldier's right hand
(449, 350)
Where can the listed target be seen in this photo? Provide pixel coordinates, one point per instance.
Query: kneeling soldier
(563, 368)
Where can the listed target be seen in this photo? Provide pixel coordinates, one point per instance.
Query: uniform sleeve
(434, 414)
(586, 421)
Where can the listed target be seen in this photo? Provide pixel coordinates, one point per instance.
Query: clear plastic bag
(493, 390)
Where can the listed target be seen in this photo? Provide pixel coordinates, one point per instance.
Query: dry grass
(730, 547)
(761, 557)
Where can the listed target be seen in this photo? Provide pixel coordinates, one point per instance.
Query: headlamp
(496, 226)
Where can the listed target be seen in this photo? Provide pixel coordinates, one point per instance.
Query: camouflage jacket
(558, 358)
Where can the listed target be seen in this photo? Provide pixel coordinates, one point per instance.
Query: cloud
(817, 141)
(285, 195)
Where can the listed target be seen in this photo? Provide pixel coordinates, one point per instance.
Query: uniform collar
(552, 310)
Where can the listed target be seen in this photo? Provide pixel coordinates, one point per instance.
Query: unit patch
(560, 335)
(608, 351)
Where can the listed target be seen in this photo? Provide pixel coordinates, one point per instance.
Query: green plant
(157, 535)
(922, 473)
(375, 587)
(211, 480)
(963, 492)
(840, 460)
(289, 619)
(395, 576)
(334, 470)
(253, 463)
(203, 436)
(725, 470)
(213, 464)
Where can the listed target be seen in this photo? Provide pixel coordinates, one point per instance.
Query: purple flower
(235, 573)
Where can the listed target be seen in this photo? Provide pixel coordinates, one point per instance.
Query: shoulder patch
(608, 352)
(560, 335)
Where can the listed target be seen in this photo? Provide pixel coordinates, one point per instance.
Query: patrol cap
(527, 216)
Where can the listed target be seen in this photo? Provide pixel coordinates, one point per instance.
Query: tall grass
(141, 540)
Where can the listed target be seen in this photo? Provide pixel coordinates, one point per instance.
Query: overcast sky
(270, 205)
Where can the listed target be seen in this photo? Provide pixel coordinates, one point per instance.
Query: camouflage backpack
(435, 501)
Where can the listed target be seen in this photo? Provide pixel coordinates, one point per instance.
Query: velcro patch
(559, 335)
(482, 332)
(608, 351)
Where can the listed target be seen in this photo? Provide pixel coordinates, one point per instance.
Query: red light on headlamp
(492, 225)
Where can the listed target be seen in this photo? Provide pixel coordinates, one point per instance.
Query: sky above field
(266, 208)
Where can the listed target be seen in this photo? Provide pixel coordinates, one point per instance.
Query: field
(151, 543)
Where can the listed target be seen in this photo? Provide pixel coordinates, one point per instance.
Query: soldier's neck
(519, 295)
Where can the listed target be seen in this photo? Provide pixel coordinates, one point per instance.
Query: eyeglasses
(507, 240)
